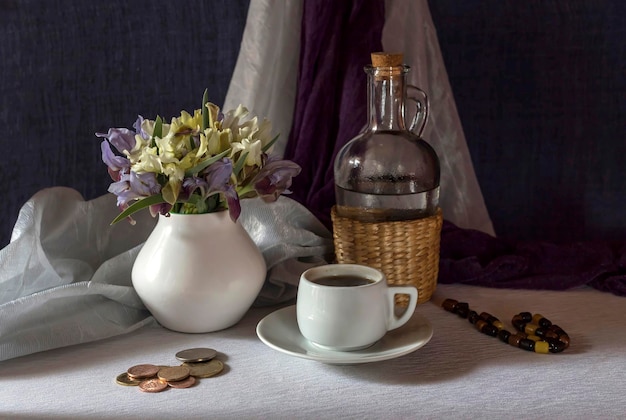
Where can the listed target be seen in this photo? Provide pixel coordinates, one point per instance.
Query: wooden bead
(518, 323)
(490, 330)
(499, 325)
(530, 329)
(472, 317)
(514, 339)
(527, 344)
(542, 347)
(488, 317)
(555, 345)
(462, 309)
(449, 305)
(540, 320)
(551, 334)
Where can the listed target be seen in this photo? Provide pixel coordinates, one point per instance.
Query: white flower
(253, 148)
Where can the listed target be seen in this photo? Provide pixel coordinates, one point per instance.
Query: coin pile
(196, 363)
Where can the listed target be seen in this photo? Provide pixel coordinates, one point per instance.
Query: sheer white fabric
(409, 28)
(265, 76)
(265, 81)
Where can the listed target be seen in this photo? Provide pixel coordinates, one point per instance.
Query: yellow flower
(147, 160)
(217, 141)
(214, 111)
(148, 127)
(171, 190)
(186, 125)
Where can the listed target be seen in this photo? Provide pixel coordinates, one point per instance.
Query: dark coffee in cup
(342, 281)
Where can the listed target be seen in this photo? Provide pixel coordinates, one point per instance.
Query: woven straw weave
(407, 251)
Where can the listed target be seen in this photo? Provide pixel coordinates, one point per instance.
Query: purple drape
(473, 257)
(336, 41)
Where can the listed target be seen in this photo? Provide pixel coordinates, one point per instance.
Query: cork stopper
(383, 59)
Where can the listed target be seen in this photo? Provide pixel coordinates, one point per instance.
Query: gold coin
(174, 373)
(152, 385)
(205, 369)
(142, 371)
(185, 383)
(200, 354)
(124, 379)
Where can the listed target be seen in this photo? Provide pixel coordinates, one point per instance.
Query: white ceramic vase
(198, 273)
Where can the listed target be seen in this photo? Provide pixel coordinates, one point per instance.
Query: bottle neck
(385, 95)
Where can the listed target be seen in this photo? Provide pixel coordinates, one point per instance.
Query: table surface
(459, 373)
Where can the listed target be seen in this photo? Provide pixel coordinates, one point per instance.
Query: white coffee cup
(348, 307)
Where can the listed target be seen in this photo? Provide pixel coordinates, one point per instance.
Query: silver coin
(200, 354)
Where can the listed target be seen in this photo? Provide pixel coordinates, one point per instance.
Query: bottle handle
(421, 116)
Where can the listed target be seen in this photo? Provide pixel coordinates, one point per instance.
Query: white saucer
(279, 330)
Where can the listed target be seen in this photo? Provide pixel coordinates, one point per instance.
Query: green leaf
(239, 165)
(271, 143)
(205, 163)
(158, 127)
(158, 130)
(201, 206)
(205, 110)
(213, 202)
(139, 205)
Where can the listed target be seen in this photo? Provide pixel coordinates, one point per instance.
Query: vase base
(196, 330)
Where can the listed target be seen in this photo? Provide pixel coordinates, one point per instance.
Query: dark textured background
(70, 68)
(541, 92)
(539, 86)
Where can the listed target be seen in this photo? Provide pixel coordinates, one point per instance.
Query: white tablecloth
(459, 374)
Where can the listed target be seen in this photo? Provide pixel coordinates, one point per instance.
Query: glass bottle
(388, 172)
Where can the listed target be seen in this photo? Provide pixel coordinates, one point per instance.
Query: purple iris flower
(275, 179)
(115, 163)
(162, 208)
(123, 192)
(121, 138)
(133, 187)
(191, 184)
(145, 184)
(139, 130)
(234, 206)
(218, 174)
(217, 177)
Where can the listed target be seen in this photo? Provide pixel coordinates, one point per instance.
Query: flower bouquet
(198, 163)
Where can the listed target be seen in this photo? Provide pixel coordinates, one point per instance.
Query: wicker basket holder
(407, 251)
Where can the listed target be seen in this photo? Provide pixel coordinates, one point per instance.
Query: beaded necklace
(534, 332)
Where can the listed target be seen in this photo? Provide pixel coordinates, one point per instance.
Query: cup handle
(395, 321)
